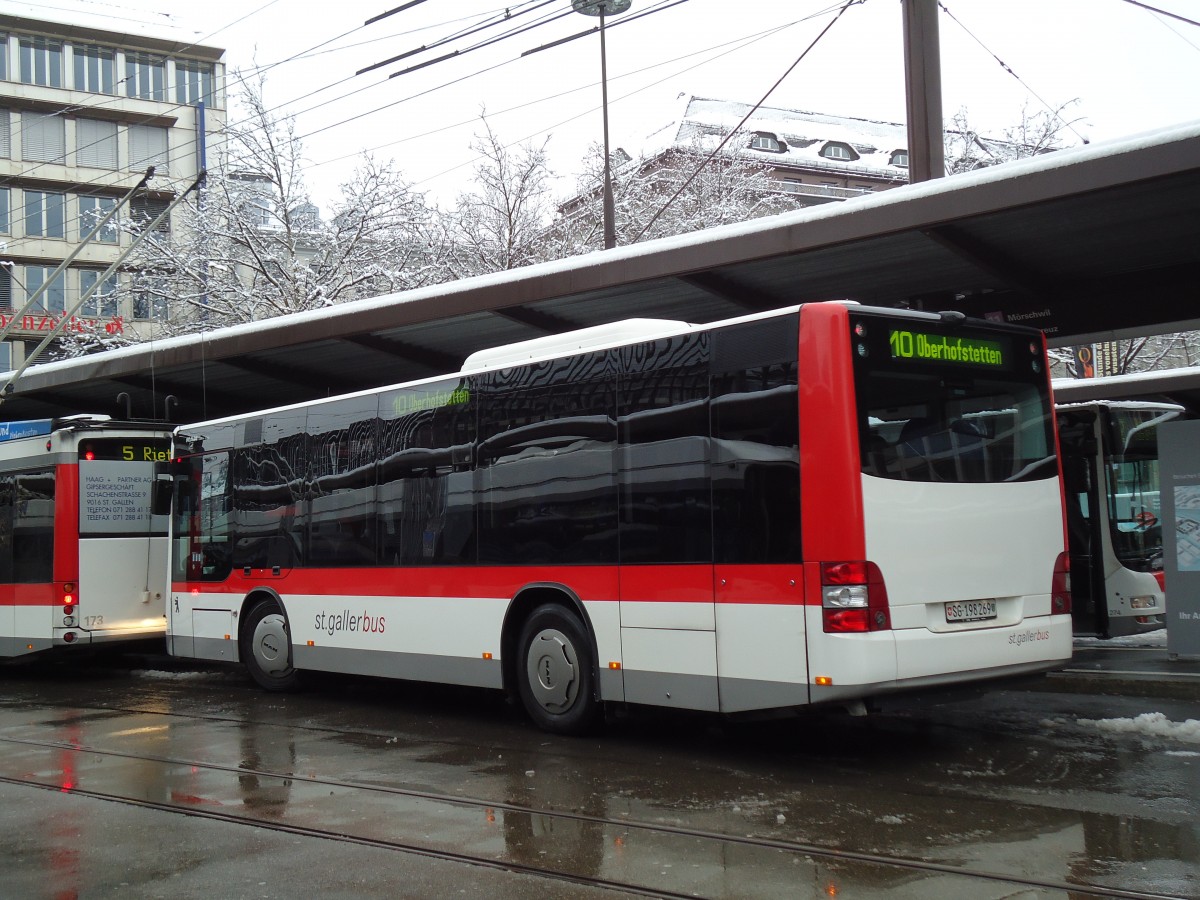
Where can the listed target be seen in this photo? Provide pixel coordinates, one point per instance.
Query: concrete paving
(1130, 671)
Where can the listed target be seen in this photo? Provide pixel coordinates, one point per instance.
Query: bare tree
(251, 244)
(1034, 134)
(680, 190)
(499, 224)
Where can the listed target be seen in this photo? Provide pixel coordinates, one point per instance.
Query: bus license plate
(971, 611)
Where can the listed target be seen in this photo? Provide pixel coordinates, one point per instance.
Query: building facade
(84, 112)
(817, 158)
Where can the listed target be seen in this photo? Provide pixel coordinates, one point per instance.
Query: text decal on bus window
(923, 347)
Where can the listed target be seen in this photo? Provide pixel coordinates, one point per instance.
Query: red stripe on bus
(831, 504)
(667, 584)
(28, 595)
(66, 523)
(769, 584)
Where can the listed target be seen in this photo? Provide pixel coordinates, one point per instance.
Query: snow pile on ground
(1156, 638)
(163, 675)
(1152, 724)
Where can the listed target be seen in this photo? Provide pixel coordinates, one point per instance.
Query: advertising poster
(1179, 447)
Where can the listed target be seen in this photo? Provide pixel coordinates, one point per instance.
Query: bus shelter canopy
(1087, 244)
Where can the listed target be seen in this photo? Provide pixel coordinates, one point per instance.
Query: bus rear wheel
(556, 677)
(267, 647)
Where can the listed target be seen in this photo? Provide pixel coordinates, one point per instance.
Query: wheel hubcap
(553, 671)
(271, 645)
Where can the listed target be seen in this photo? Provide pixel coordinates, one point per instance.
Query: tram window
(545, 477)
(269, 507)
(33, 528)
(425, 514)
(6, 529)
(343, 447)
(664, 453)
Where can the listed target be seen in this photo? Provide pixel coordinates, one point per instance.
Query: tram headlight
(1148, 602)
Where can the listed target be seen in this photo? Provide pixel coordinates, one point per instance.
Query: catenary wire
(1007, 68)
(745, 118)
(743, 42)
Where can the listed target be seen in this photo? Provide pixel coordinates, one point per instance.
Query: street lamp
(604, 8)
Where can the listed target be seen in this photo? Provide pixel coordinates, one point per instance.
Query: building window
(148, 147)
(96, 143)
(762, 140)
(5, 135)
(95, 69)
(54, 299)
(145, 76)
(6, 288)
(144, 210)
(193, 83)
(43, 138)
(91, 211)
(900, 158)
(4, 57)
(5, 351)
(103, 303)
(793, 185)
(41, 61)
(44, 214)
(149, 299)
(5, 224)
(838, 151)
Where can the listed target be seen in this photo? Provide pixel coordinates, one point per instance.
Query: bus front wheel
(267, 647)
(557, 678)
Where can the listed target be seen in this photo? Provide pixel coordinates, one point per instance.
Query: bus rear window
(944, 404)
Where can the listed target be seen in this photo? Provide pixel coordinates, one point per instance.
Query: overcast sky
(1130, 69)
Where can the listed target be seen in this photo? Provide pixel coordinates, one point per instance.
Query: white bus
(82, 559)
(1111, 475)
(818, 505)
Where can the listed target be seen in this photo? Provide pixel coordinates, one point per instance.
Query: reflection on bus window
(967, 430)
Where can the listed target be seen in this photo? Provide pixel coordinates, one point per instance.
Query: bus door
(1085, 519)
(668, 619)
(122, 543)
(759, 585)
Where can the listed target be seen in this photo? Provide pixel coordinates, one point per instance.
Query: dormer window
(899, 158)
(838, 151)
(764, 140)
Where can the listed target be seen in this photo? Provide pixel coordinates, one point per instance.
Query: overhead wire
(743, 42)
(508, 16)
(103, 184)
(745, 118)
(1007, 68)
(1162, 12)
(663, 4)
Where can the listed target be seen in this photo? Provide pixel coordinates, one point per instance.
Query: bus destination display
(920, 346)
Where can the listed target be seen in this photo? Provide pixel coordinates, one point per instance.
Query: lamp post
(602, 8)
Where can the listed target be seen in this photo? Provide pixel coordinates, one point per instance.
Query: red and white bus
(1111, 475)
(82, 559)
(821, 504)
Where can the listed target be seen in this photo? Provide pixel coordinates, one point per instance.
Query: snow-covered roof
(803, 134)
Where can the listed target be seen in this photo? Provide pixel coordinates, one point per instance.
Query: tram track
(837, 858)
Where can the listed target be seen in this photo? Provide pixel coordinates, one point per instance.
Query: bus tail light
(853, 598)
(1060, 586)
